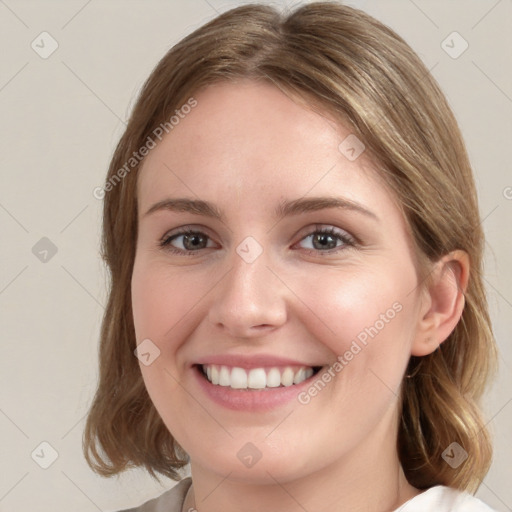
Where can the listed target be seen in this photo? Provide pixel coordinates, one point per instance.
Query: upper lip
(254, 361)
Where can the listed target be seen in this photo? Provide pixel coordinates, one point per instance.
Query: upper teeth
(256, 378)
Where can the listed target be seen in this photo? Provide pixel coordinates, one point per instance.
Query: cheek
(365, 317)
(165, 303)
(158, 310)
(162, 301)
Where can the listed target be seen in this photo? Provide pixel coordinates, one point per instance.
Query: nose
(249, 300)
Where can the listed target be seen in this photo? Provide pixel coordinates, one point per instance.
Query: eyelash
(347, 240)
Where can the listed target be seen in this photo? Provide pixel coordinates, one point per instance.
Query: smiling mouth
(262, 378)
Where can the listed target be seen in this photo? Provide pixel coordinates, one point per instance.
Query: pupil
(188, 238)
(322, 238)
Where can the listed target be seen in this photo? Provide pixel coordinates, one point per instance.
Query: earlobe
(443, 302)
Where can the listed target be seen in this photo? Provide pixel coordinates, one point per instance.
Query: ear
(442, 302)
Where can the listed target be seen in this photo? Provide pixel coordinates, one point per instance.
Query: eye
(192, 241)
(323, 240)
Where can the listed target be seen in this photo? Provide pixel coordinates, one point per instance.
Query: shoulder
(169, 501)
(444, 499)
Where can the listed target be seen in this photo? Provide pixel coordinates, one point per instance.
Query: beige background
(60, 118)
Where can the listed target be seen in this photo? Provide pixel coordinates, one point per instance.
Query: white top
(444, 499)
(436, 499)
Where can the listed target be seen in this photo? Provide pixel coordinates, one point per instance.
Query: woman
(296, 305)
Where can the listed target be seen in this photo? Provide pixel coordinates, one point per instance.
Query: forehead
(251, 140)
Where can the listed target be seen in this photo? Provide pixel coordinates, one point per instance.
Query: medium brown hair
(363, 74)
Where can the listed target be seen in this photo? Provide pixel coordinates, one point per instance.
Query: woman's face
(262, 292)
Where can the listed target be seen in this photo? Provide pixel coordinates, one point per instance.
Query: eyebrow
(284, 208)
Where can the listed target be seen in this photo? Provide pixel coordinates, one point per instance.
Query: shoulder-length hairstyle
(361, 73)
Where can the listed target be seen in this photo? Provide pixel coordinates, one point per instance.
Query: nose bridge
(250, 295)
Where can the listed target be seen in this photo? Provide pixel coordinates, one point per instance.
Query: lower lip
(250, 400)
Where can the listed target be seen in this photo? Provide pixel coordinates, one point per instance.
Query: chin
(250, 465)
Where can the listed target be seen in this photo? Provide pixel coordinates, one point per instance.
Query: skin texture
(246, 147)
